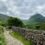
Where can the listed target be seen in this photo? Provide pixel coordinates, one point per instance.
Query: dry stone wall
(37, 36)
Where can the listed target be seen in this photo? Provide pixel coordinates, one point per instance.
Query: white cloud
(4, 0)
(41, 9)
(22, 8)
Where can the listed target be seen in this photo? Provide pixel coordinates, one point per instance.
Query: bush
(15, 22)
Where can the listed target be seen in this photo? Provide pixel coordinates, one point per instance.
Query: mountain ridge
(3, 17)
(37, 18)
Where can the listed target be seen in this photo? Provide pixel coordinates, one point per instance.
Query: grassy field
(21, 38)
(2, 38)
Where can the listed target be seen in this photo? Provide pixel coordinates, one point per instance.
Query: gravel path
(11, 40)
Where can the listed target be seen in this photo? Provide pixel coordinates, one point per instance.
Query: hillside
(25, 21)
(37, 18)
(3, 17)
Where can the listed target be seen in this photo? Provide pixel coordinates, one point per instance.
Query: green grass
(21, 38)
(2, 38)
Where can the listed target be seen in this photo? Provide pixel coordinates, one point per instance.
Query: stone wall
(37, 36)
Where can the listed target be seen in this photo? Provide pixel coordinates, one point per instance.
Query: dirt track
(10, 40)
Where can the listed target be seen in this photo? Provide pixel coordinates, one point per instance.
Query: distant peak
(37, 14)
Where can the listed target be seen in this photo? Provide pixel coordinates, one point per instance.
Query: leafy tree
(15, 22)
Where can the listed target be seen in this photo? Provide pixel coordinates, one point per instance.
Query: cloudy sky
(22, 8)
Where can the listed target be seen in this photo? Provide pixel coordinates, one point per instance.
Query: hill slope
(37, 18)
(3, 17)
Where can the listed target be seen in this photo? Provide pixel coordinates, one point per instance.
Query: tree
(15, 22)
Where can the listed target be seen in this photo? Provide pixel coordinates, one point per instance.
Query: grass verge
(2, 38)
(21, 38)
